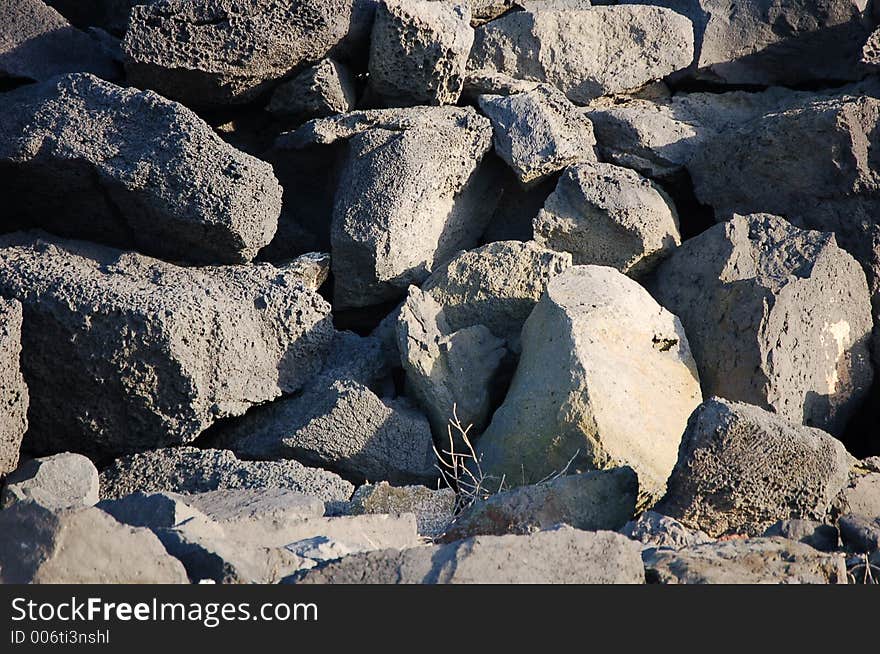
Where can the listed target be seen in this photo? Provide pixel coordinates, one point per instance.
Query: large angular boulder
(191, 470)
(776, 316)
(770, 42)
(562, 555)
(592, 501)
(741, 469)
(80, 546)
(123, 353)
(496, 285)
(745, 561)
(538, 132)
(13, 390)
(36, 42)
(133, 170)
(606, 215)
(811, 163)
(60, 481)
(218, 52)
(586, 53)
(606, 379)
(419, 51)
(448, 372)
(409, 196)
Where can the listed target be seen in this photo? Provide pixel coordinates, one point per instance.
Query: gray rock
(190, 470)
(36, 42)
(862, 494)
(410, 196)
(606, 215)
(562, 555)
(152, 510)
(217, 52)
(766, 42)
(655, 530)
(419, 51)
(123, 353)
(13, 390)
(111, 15)
(433, 509)
(132, 170)
(871, 50)
(815, 534)
(487, 82)
(496, 285)
(258, 512)
(776, 316)
(586, 53)
(539, 132)
(606, 379)
(592, 501)
(860, 533)
(740, 469)
(448, 372)
(79, 546)
(809, 163)
(321, 90)
(60, 481)
(745, 561)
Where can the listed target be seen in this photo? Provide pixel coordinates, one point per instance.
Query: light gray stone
(741, 468)
(433, 509)
(562, 555)
(860, 533)
(745, 561)
(217, 52)
(776, 316)
(14, 396)
(586, 53)
(419, 51)
(592, 501)
(862, 494)
(190, 470)
(133, 170)
(60, 481)
(606, 215)
(539, 132)
(79, 546)
(123, 353)
(257, 512)
(36, 42)
(321, 90)
(448, 372)
(820, 536)
(655, 530)
(152, 510)
(606, 379)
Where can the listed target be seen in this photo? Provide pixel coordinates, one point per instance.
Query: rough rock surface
(586, 53)
(496, 285)
(190, 470)
(433, 509)
(321, 90)
(219, 52)
(36, 42)
(409, 196)
(60, 481)
(122, 352)
(655, 530)
(775, 42)
(862, 494)
(562, 555)
(815, 534)
(419, 51)
(79, 546)
(592, 501)
(539, 132)
(606, 215)
(448, 372)
(740, 469)
(595, 343)
(776, 316)
(132, 170)
(745, 561)
(13, 391)
(859, 533)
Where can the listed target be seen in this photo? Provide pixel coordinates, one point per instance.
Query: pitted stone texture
(133, 170)
(325, 89)
(433, 509)
(777, 317)
(123, 353)
(14, 396)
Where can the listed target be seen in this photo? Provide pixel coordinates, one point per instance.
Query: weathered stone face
(13, 390)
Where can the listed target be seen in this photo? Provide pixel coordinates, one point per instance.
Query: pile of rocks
(439, 291)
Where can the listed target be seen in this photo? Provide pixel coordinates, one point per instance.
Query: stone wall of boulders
(439, 291)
